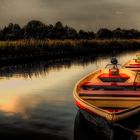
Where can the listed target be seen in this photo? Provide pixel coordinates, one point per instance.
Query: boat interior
(113, 89)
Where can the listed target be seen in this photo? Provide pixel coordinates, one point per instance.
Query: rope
(134, 83)
(135, 132)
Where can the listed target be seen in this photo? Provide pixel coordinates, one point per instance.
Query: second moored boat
(133, 64)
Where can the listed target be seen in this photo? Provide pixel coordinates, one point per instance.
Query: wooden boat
(133, 64)
(113, 94)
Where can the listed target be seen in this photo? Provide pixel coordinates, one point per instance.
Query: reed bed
(30, 48)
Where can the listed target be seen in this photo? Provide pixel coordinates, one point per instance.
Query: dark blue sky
(80, 14)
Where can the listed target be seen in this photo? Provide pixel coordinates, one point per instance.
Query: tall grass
(30, 48)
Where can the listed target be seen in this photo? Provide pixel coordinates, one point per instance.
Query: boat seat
(133, 66)
(110, 86)
(106, 77)
(107, 93)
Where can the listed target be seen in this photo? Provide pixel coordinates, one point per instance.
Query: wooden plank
(110, 84)
(108, 93)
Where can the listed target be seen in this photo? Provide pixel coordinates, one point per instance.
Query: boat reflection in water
(84, 130)
(99, 128)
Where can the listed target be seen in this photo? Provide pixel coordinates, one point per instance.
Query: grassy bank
(51, 48)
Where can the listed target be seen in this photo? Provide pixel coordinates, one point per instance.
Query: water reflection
(13, 126)
(100, 129)
(44, 67)
(36, 115)
(84, 130)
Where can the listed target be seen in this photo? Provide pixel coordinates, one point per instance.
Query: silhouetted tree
(16, 32)
(91, 35)
(58, 31)
(1, 34)
(12, 32)
(85, 35)
(104, 33)
(118, 33)
(126, 34)
(130, 34)
(49, 31)
(7, 32)
(38, 30)
(82, 34)
(34, 29)
(70, 33)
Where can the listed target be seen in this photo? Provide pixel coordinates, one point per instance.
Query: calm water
(36, 99)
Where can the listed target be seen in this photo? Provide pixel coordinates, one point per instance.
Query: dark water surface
(36, 99)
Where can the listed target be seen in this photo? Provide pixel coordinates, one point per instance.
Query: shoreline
(24, 50)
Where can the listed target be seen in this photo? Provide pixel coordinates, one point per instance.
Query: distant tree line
(37, 30)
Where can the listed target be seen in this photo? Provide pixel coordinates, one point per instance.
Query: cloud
(76, 13)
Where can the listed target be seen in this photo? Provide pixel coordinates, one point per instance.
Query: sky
(79, 14)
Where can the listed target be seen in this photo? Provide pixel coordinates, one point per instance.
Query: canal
(36, 99)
